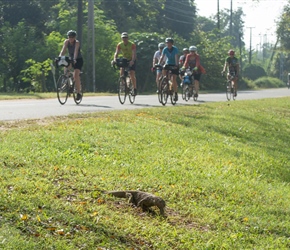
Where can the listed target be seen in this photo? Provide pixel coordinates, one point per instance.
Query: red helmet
(231, 52)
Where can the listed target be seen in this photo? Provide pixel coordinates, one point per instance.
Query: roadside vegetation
(222, 168)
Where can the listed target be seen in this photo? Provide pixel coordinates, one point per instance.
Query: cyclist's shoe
(195, 95)
(79, 96)
(176, 97)
(135, 92)
(235, 94)
(157, 91)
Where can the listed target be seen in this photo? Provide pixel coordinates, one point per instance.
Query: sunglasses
(71, 36)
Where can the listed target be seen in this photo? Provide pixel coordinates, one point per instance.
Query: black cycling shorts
(133, 67)
(79, 64)
(173, 71)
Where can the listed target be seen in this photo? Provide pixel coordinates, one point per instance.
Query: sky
(261, 16)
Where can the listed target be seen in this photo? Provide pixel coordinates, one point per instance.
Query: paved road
(37, 109)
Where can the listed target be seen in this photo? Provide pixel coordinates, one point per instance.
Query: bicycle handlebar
(63, 61)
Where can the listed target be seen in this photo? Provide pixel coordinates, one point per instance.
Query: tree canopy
(32, 33)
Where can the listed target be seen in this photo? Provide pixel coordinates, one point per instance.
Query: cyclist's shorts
(233, 73)
(79, 64)
(133, 67)
(174, 71)
(197, 76)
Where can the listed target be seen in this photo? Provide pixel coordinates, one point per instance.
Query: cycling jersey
(157, 55)
(170, 54)
(232, 62)
(126, 49)
(71, 50)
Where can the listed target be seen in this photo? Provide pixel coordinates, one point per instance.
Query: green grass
(223, 169)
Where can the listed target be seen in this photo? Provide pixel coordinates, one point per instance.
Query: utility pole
(80, 21)
(231, 19)
(250, 53)
(91, 79)
(218, 16)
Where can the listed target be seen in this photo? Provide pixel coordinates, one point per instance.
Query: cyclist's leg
(158, 75)
(77, 71)
(196, 83)
(235, 85)
(77, 80)
(133, 77)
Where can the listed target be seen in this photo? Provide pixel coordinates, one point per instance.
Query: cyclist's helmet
(231, 52)
(124, 34)
(72, 33)
(192, 48)
(169, 40)
(185, 49)
(161, 45)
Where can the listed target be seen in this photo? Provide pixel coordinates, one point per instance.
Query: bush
(269, 82)
(254, 71)
(246, 83)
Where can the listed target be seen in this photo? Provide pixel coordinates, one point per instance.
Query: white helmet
(192, 48)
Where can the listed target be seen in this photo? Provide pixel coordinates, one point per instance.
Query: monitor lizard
(140, 199)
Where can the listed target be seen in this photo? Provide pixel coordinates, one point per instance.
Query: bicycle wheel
(122, 93)
(229, 90)
(75, 94)
(184, 87)
(186, 93)
(160, 90)
(164, 91)
(172, 97)
(131, 91)
(62, 89)
(234, 96)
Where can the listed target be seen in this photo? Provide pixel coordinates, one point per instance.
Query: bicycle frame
(124, 82)
(166, 86)
(66, 83)
(230, 91)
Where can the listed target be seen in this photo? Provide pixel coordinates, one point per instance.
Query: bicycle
(188, 87)
(125, 85)
(230, 91)
(159, 67)
(65, 84)
(166, 86)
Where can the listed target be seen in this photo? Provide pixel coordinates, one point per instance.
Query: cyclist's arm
(63, 50)
(176, 60)
(238, 69)
(133, 53)
(161, 59)
(225, 66)
(116, 53)
(185, 65)
(155, 59)
(76, 52)
(197, 62)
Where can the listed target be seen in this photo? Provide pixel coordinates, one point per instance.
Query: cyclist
(193, 62)
(74, 50)
(128, 50)
(182, 60)
(232, 63)
(156, 58)
(171, 52)
(183, 57)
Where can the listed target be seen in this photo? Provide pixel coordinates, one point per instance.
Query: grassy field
(222, 168)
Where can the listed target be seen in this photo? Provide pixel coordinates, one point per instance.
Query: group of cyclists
(166, 55)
